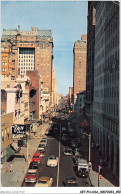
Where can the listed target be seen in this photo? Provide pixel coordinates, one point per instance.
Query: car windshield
(41, 145)
(42, 182)
(69, 151)
(52, 157)
(31, 173)
(35, 156)
(71, 179)
(33, 167)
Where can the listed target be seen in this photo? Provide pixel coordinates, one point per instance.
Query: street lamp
(89, 143)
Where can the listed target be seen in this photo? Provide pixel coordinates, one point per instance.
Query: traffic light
(100, 177)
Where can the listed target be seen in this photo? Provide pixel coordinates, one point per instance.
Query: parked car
(77, 153)
(52, 161)
(41, 146)
(67, 151)
(32, 168)
(44, 182)
(74, 145)
(75, 159)
(70, 182)
(47, 132)
(56, 131)
(44, 138)
(36, 157)
(43, 141)
(42, 153)
(33, 163)
(31, 177)
(64, 137)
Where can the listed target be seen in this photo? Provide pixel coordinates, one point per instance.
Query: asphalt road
(64, 169)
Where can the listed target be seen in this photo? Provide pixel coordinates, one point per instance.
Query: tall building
(106, 82)
(79, 66)
(31, 50)
(90, 62)
(70, 97)
(54, 90)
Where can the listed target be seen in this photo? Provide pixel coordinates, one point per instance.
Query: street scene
(60, 94)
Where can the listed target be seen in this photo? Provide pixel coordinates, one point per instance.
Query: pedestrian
(11, 167)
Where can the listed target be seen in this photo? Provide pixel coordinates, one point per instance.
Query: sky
(67, 21)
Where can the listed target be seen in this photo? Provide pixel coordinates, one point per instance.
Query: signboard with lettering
(19, 129)
(45, 90)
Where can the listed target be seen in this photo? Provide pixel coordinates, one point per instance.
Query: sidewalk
(108, 179)
(20, 166)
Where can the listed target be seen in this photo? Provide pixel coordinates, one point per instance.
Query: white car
(44, 182)
(41, 146)
(52, 161)
(44, 141)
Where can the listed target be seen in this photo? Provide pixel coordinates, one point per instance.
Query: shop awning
(9, 152)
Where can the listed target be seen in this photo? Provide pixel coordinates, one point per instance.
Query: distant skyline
(67, 21)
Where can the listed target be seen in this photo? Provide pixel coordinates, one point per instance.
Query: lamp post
(89, 143)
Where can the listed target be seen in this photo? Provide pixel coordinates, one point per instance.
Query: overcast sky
(67, 20)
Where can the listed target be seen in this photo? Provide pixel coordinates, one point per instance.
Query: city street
(64, 169)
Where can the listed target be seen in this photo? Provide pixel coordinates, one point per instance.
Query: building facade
(106, 82)
(90, 62)
(79, 65)
(31, 50)
(4, 62)
(6, 136)
(71, 97)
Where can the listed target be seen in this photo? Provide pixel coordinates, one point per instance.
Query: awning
(9, 152)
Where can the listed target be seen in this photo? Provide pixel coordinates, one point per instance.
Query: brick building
(31, 50)
(4, 61)
(79, 66)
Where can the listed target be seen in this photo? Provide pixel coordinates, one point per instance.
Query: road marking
(58, 158)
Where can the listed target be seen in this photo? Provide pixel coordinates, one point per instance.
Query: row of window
(107, 93)
(112, 109)
(25, 60)
(4, 69)
(4, 63)
(27, 68)
(26, 64)
(4, 58)
(107, 78)
(26, 56)
(110, 125)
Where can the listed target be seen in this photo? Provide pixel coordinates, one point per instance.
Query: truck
(82, 168)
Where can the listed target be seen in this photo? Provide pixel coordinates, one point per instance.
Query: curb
(21, 182)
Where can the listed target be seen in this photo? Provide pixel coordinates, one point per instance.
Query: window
(4, 69)
(4, 64)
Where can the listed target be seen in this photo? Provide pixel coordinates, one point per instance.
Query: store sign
(19, 129)
(45, 90)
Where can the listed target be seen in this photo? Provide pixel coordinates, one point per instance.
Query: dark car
(75, 158)
(56, 130)
(33, 163)
(74, 145)
(67, 151)
(82, 173)
(64, 137)
(70, 182)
